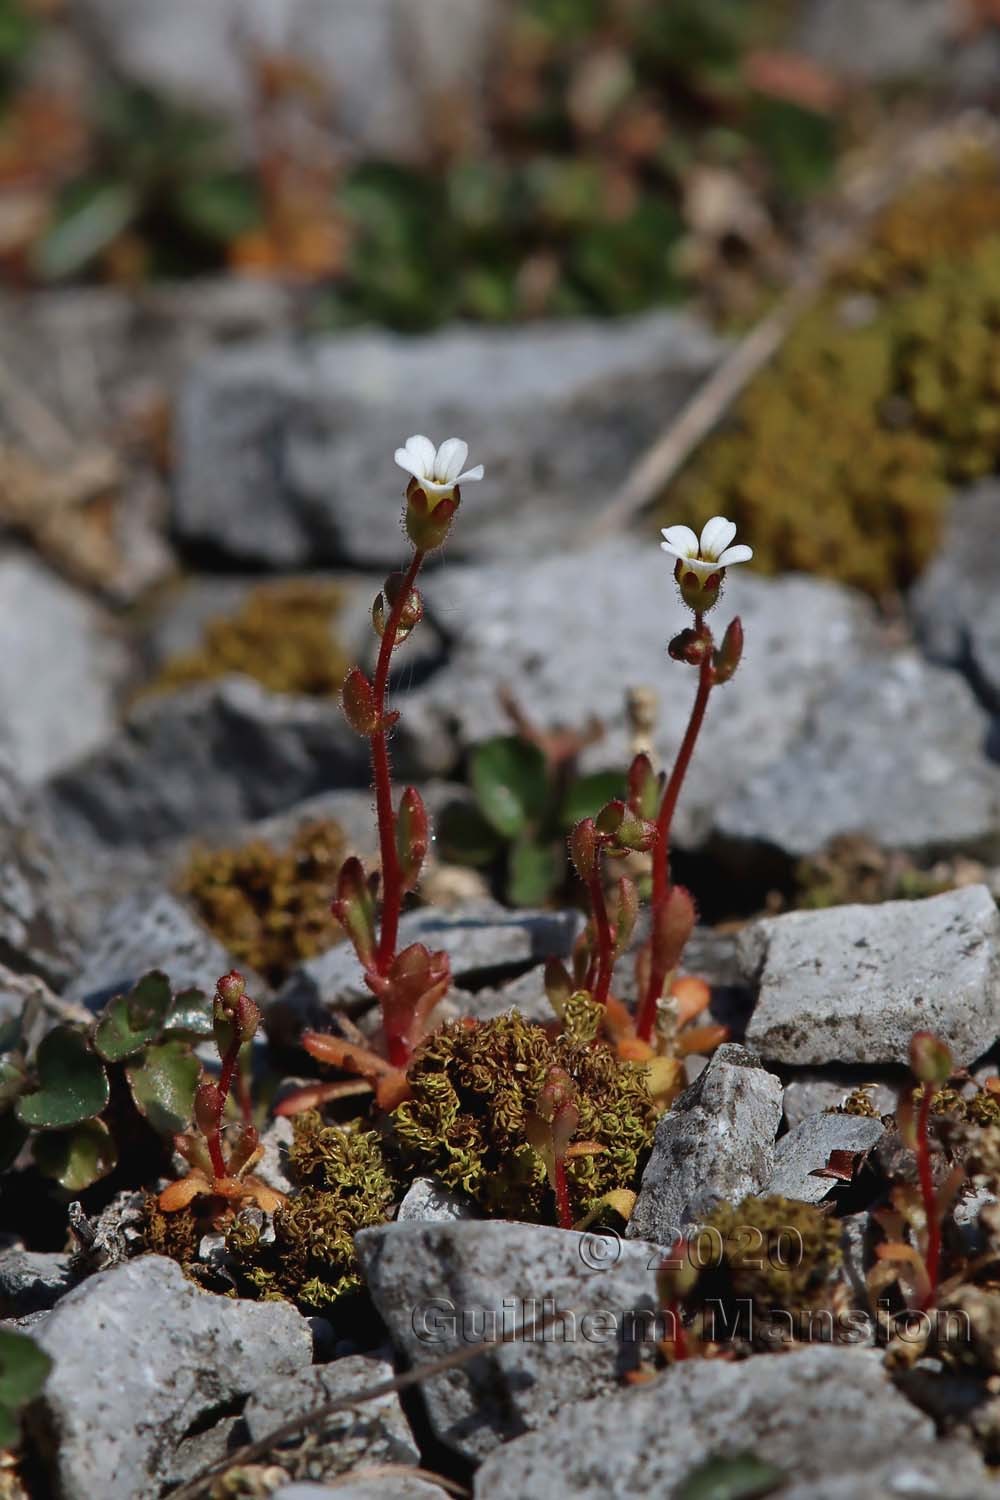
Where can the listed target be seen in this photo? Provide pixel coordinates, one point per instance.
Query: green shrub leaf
(23, 1368)
(76, 1158)
(73, 1083)
(511, 783)
(741, 1477)
(588, 794)
(533, 872)
(163, 1082)
(131, 1021)
(190, 1017)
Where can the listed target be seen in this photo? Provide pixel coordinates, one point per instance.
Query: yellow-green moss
(840, 457)
(282, 635)
(781, 1255)
(346, 1185)
(473, 1087)
(853, 869)
(269, 907)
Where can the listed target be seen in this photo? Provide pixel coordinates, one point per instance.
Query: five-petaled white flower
(711, 552)
(437, 470)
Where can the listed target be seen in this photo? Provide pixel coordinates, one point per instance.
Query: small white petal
(716, 535)
(450, 457)
(409, 463)
(422, 451)
(681, 541)
(739, 554)
(472, 475)
(437, 486)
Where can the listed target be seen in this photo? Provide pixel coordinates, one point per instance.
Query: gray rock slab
(439, 1287)
(378, 1487)
(277, 444)
(373, 1432)
(210, 757)
(853, 983)
(153, 930)
(807, 1149)
(891, 41)
(482, 941)
(61, 668)
(810, 1091)
(32, 1281)
(38, 927)
(956, 604)
(570, 631)
(896, 751)
(429, 1201)
(829, 1419)
(716, 1143)
(140, 1354)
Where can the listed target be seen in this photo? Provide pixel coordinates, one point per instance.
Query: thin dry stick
(862, 200)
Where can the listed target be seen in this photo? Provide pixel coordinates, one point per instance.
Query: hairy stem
(392, 883)
(932, 1259)
(661, 847)
(563, 1206)
(605, 944)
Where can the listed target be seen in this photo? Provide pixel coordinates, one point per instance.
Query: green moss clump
(271, 908)
(346, 1185)
(781, 1255)
(472, 1088)
(282, 635)
(853, 869)
(841, 456)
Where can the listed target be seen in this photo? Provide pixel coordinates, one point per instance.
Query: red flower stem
(563, 1206)
(932, 1259)
(214, 1138)
(605, 944)
(392, 884)
(678, 1340)
(214, 1141)
(661, 847)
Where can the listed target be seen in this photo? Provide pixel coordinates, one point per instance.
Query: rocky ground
(167, 450)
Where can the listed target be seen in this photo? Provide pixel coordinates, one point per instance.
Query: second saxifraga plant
(409, 983)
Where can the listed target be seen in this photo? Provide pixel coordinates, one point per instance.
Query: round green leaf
(741, 1477)
(76, 1158)
(130, 1021)
(190, 1017)
(23, 1368)
(533, 872)
(464, 836)
(588, 794)
(163, 1084)
(511, 783)
(73, 1085)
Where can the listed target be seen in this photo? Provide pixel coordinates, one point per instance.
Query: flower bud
(625, 913)
(609, 819)
(410, 615)
(727, 658)
(354, 908)
(691, 645)
(643, 787)
(357, 699)
(429, 517)
(230, 990)
(583, 848)
(208, 1106)
(930, 1059)
(412, 836)
(673, 924)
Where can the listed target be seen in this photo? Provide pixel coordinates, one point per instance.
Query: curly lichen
(282, 635)
(271, 907)
(473, 1086)
(840, 458)
(345, 1185)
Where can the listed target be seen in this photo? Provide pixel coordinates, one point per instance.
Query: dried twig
(864, 196)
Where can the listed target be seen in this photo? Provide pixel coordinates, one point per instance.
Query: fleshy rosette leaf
(73, 1085)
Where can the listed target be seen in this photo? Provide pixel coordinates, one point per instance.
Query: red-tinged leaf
(795, 78)
(840, 1166)
(312, 1095)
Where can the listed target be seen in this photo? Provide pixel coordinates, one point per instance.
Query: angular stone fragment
(853, 983)
(716, 1143)
(807, 1149)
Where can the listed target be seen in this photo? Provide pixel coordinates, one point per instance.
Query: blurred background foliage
(610, 128)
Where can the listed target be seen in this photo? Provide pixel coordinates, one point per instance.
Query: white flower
(709, 554)
(437, 470)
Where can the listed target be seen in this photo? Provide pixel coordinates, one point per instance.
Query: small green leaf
(190, 1017)
(23, 1369)
(741, 1477)
(131, 1021)
(163, 1082)
(76, 1158)
(511, 783)
(588, 794)
(73, 1083)
(221, 207)
(533, 872)
(464, 836)
(89, 218)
